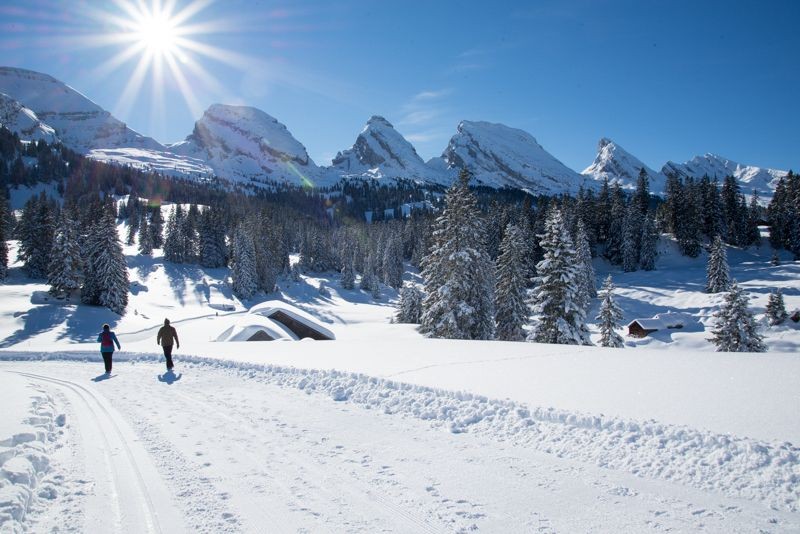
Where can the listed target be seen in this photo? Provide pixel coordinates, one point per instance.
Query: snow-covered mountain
(23, 121)
(242, 143)
(79, 123)
(619, 166)
(749, 177)
(380, 152)
(498, 156)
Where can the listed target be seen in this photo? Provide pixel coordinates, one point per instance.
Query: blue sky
(665, 79)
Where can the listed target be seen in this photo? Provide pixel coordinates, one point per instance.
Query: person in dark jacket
(166, 337)
(107, 340)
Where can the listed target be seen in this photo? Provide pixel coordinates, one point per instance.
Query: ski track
(120, 485)
(243, 448)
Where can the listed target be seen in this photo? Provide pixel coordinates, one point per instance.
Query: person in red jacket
(107, 340)
(167, 335)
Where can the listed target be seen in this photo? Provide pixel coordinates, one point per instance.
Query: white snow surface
(159, 161)
(383, 429)
(23, 121)
(79, 123)
(750, 177)
(617, 165)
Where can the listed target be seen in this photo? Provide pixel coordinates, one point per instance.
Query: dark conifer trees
(510, 295)
(735, 329)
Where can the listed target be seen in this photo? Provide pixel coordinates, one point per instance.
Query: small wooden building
(662, 321)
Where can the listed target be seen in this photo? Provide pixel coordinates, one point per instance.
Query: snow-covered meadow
(383, 429)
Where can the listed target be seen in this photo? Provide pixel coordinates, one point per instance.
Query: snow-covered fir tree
(322, 289)
(157, 227)
(244, 277)
(458, 273)
(556, 298)
(410, 306)
(632, 235)
(586, 278)
(4, 235)
(66, 264)
(145, 238)
(348, 279)
(776, 308)
(649, 250)
(609, 317)
(36, 230)
(174, 242)
(368, 278)
(717, 274)
(752, 233)
(106, 272)
(735, 329)
(376, 289)
(511, 308)
(294, 272)
(393, 263)
(211, 235)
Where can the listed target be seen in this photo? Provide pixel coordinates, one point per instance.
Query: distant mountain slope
(242, 143)
(381, 152)
(79, 123)
(499, 156)
(619, 166)
(749, 177)
(23, 121)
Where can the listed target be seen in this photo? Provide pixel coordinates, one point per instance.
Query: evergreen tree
(735, 329)
(36, 231)
(4, 235)
(410, 306)
(393, 263)
(157, 227)
(106, 272)
(641, 197)
(616, 227)
(632, 234)
(511, 308)
(368, 277)
(776, 308)
(689, 220)
(211, 237)
(556, 298)
(174, 242)
(609, 317)
(718, 277)
(244, 276)
(649, 251)
(145, 238)
(752, 234)
(349, 274)
(586, 278)
(458, 273)
(66, 264)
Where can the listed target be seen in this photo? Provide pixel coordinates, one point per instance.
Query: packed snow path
(215, 449)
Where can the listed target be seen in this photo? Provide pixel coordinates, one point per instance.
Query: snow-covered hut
(662, 321)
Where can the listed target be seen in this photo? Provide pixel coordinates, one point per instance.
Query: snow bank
(738, 467)
(25, 442)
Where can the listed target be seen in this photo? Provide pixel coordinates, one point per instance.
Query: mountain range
(246, 145)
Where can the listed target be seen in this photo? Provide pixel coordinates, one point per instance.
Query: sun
(164, 42)
(158, 33)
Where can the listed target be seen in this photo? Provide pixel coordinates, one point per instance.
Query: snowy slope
(498, 156)
(160, 161)
(617, 165)
(80, 123)
(245, 144)
(749, 177)
(23, 121)
(379, 152)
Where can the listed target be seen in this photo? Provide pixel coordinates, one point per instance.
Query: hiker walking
(166, 337)
(107, 340)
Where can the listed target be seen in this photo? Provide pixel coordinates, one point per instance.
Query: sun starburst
(164, 42)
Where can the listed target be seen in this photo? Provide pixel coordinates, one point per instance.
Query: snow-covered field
(384, 430)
